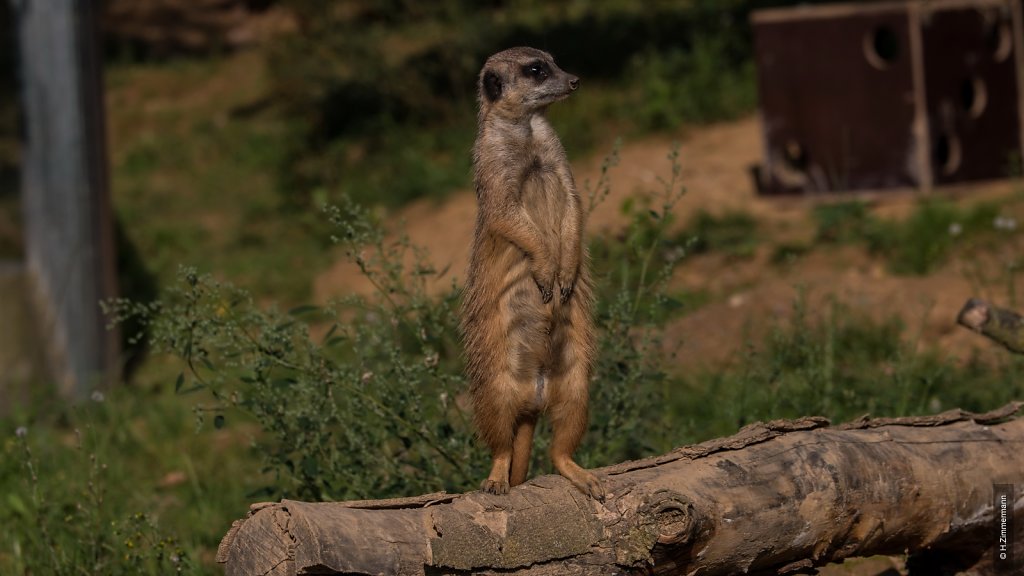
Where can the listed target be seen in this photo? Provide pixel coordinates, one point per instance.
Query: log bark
(777, 498)
(999, 324)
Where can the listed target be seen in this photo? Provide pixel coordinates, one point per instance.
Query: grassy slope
(195, 156)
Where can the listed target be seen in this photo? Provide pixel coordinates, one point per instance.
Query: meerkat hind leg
(568, 423)
(522, 445)
(496, 421)
(497, 481)
(567, 434)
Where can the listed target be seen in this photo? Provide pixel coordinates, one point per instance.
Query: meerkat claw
(566, 293)
(497, 487)
(545, 294)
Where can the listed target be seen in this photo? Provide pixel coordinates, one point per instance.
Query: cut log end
(998, 324)
(974, 314)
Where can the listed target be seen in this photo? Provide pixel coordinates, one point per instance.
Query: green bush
(694, 84)
(371, 406)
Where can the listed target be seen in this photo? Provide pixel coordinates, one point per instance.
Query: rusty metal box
(883, 95)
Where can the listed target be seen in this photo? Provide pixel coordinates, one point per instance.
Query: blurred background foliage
(393, 83)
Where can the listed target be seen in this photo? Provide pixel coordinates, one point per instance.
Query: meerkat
(527, 304)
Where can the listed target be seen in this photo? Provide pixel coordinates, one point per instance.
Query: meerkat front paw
(545, 281)
(567, 281)
(546, 292)
(565, 289)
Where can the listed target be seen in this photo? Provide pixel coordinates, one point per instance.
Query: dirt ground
(747, 296)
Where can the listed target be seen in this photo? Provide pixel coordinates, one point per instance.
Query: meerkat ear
(492, 85)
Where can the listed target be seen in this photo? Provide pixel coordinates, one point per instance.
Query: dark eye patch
(538, 70)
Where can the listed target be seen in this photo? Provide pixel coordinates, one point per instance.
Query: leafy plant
(361, 410)
(632, 272)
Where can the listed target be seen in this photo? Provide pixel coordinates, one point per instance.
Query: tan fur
(527, 304)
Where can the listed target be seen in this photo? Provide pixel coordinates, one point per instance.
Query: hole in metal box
(881, 47)
(795, 155)
(947, 153)
(998, 36)
(973, 96)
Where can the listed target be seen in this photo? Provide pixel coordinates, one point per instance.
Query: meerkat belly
(546, 201)
(531, 326)
(524, 318)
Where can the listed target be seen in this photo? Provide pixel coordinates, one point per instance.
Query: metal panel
(69, 242)
(971, 92)
(837, 100)
(876, 96)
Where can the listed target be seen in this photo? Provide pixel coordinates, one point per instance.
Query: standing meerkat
(527, 303)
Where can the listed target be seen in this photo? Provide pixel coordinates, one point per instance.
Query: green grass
(840, 364)
(195, 182)
(122, 485)
(734, 234)
(119, 486)
(922, 242)
(925, 240)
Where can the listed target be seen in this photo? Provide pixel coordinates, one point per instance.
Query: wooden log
(777, 498)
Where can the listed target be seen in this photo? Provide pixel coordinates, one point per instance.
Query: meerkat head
(521, 81)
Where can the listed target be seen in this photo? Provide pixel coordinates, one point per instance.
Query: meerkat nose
(574, 82)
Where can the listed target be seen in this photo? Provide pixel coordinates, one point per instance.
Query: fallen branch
(777, 498)
(1003, 326)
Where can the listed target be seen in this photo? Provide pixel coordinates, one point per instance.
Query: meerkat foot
(586, 481)
(590, 484)
(497, 480)
(493, 486)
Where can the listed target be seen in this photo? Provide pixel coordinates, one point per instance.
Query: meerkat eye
(538, 71)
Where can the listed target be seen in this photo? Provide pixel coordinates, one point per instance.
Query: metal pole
(68, 221)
